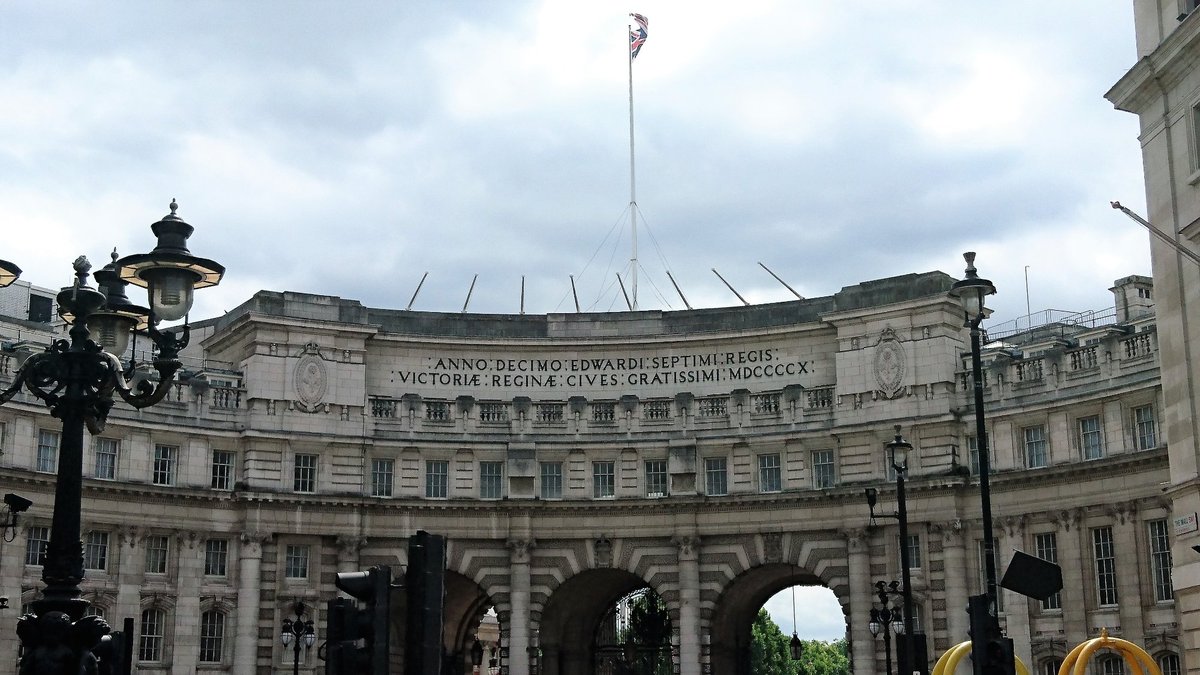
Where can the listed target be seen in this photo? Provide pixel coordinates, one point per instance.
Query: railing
(820, 398)
(493, 412)
(1029, 371)
(549, 413)
(383, 408)
(656, 410)
(225, 398)
(604, 412)
(1084, 359)
(765, 404)
(1050, 323)
(715, 406)
(1137, 346)
(437, 411)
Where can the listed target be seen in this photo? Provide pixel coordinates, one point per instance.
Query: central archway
(571, 623)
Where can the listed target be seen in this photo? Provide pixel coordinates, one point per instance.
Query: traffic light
(991, 652)
(349, 623)
(424, 581)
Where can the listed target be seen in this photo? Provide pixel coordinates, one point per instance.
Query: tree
(770, 652)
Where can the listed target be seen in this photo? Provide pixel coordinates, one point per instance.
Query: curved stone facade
(717, 456)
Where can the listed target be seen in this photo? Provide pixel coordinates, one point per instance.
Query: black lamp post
(77, 380)
(886, 617)
(972, 291)
(897, 457)
(299, 634)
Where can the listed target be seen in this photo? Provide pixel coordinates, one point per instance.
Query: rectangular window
(770, 473)
(36, 540)
(150, 639)
(212, 636)
(1091, 443)
(382, 474)
(295, 562)
(106, 458)
(1160, 561)
(95, 551)
(914, 552)
(822, 469)
(1035, 446)
(156, 554)
(304, 473)
(551, 480)
(216, 557)
(1143, 424)
(222, 470)
(716, 477)
(164, 464)
(437, 479)
(1106, 566)
(1046, 547)
(491, 480)
(656, 478)
(973, 455)
(603, 479)
(47, 451)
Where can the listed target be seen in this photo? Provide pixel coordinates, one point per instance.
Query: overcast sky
(348, 148)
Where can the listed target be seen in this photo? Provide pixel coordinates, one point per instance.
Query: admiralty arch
(715, 456)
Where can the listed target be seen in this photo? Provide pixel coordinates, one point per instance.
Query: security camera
(3, 602)
(17, 503)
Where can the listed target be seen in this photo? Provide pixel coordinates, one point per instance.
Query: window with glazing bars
(304, 473)
(822, 469)
(216, 557)
(95, 551)
(295, 562)
(212, 636)
(1105, 560)
(491, 480)
(164, 464)
(716, 478)
(437, 478)
(1045, 546)
(150, 639)
(222, 470)
(36, 540)
(1091, 443)
(1035, 446)
(382, 473)
(770, 473)
(1160, 561)
(552, 484)
(603, 479)
(656, 478)
(1144, 432)
(156, 554)
(47, 451)
(106, 458)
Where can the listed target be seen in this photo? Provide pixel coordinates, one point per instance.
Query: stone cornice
(1174, 58)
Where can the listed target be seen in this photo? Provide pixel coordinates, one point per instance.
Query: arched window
(1050, 666)
(1112, 666)
(1169, 664)
(150, 639)
(95, 610)
(212, 636)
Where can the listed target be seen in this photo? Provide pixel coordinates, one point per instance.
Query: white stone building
(716, 456)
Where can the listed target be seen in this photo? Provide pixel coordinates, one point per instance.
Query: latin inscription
(602, 372)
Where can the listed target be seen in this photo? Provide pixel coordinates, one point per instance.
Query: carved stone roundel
(311, 379)
(890, 364)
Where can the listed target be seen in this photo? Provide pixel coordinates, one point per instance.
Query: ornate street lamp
(972, 292)
(77, 380)
(897, 454)
(886, 616)
(299, 634)
(8, 273)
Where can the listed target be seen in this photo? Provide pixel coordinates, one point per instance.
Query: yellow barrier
(1077, 661)
(949, 661)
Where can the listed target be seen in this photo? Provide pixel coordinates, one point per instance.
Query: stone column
(245, 646)
(689, 604)
(1016, 606)
(1077, 570)
(862, 643)
(1130, 555)
(129, 578)
(186, 650)
(954, 554)
(520, 551)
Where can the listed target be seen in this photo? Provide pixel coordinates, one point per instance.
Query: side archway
(573, 615)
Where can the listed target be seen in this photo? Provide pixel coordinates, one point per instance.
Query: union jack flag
(637, 37)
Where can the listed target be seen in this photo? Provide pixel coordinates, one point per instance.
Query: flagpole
(632, 183)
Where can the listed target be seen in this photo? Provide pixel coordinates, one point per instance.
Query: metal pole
(887, 638)
(906, 660)
(981, 442)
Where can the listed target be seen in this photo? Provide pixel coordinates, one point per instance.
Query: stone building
(1163, 90)
(716, 456)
